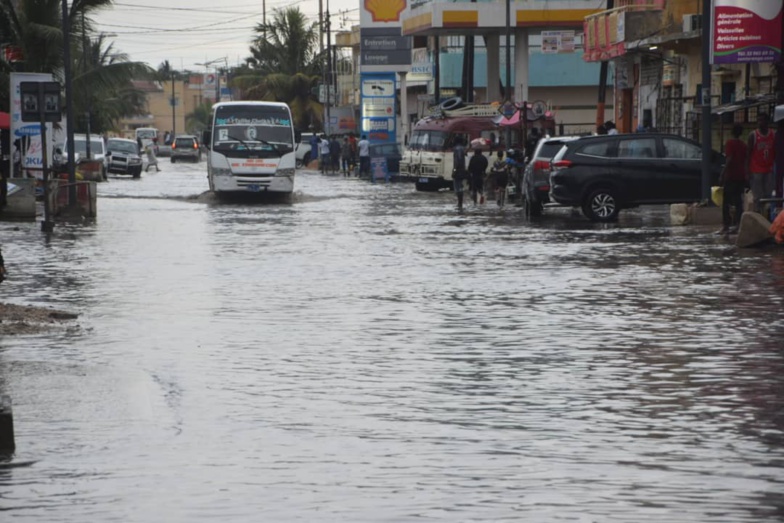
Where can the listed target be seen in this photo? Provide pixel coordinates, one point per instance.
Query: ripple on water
(365, 353)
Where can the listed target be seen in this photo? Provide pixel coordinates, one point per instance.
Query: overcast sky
(189, 32)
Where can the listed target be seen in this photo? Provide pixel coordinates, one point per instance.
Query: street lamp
(206, 66)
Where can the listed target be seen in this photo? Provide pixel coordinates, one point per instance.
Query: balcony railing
(606, 32)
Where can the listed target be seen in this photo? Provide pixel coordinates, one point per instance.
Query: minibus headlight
(285, 172)
(219, 171)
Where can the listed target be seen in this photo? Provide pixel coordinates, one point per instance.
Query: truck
(428, 156)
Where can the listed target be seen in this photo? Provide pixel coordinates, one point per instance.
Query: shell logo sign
(385, 10)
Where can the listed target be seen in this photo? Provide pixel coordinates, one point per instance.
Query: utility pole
(69, 103)
(329, 70)
(707, 146)
(174, 107)
(86, 54)
(508, 88)
(321, 28)
(603, 83)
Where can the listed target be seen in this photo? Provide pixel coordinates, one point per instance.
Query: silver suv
(185, 147)
(536, 177)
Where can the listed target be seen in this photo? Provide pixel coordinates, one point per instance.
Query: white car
(302, 150)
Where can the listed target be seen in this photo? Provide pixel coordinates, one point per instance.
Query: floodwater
(366, 353)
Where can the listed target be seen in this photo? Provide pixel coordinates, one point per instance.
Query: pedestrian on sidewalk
(761, 157)
(345, 156)
(334, 153)
(324, 154)
(477, 167)
(733, 180)
(363, 146)
(499, 179)
(352, 140)
(314, 147)
(459, 173)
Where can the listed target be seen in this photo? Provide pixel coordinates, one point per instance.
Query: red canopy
(5, 120)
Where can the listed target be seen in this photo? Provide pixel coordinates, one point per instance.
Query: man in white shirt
(364, 156)
(324, 154)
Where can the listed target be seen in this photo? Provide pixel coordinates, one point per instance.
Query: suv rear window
(549, 149)
(184, 142)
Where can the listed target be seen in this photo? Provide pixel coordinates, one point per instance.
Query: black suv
(604, 174)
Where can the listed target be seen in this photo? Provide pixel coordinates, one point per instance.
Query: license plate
(254, 188)
(423, 180)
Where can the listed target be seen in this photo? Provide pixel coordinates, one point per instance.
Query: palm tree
(286, 45)
(102, 83)
(199, 119)
(35, 26)
(285, 66)
(297, 91)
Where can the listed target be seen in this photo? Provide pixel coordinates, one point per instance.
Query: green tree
(297, 91)
(286, 45)
(285, 66)
(102, 83)
(199, 119)
(99, 73)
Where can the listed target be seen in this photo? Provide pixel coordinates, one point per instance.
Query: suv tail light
(195, 145)
(561, 164)
(542, 165)
(174, 145)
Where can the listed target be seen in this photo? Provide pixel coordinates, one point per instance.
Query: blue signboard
(378, 114)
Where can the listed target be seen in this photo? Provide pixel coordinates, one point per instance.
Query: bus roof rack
(467, 110)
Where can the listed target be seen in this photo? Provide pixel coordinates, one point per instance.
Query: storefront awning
(748, 103)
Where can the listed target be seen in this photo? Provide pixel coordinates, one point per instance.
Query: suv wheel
(601, 206)
(299, 163)
(532, 206)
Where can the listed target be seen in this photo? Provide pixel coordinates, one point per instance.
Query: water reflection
(365, 353)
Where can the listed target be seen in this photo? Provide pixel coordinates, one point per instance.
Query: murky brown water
(367, 354)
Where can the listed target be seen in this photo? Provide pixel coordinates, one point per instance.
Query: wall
(160, 111)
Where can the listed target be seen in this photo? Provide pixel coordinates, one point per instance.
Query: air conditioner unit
(692, 23)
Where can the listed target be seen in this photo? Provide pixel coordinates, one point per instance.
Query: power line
(204, 10)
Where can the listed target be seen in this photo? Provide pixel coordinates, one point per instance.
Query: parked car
(536, 176)
(604, 174)
(185, 147)
(124, 157)
(302, 150)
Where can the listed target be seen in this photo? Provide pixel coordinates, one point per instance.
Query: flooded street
(365, 353)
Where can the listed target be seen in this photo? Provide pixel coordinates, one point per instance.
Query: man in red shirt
(733, 179)
(762, 155)
(779, 142)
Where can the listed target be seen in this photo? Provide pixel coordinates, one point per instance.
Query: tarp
(515, 119)
(5, 120)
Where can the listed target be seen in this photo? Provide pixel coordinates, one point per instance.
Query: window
(681, 150)
(637, 148)
(601, 149)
